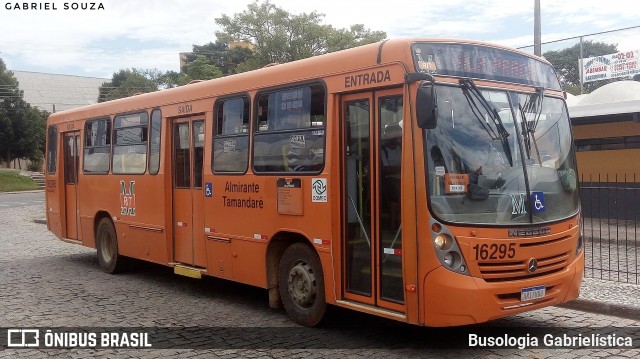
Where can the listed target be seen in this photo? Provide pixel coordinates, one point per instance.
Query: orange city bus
(427, 181)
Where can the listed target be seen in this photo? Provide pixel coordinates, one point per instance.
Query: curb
(28, 191)
(594, 306)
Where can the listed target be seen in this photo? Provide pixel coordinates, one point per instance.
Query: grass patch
(12, 181)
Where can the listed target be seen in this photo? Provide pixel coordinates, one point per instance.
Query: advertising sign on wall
(620, 64)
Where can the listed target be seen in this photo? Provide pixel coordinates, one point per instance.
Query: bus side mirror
(427, 106)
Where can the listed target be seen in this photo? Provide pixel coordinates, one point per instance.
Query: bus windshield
(500, 157)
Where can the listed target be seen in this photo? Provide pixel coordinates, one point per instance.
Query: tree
(201, 69)
(221, 55)
(30, 129)
(172, 79)
(22, 127)
(127, 83)
(566, 64)
(356, 35)
(279, 36)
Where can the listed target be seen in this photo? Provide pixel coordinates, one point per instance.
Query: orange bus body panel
(157, 222)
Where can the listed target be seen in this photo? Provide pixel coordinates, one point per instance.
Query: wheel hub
(302, 285)
(107, 247)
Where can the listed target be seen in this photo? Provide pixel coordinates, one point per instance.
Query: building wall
(59, 92)
(617, 154)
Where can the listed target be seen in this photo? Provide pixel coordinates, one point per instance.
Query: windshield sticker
(229, 146)
(440, 171)
(537, 198)
(518, 204)
(297, 141)
(456, 183)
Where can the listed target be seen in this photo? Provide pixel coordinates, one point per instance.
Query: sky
(150, 34)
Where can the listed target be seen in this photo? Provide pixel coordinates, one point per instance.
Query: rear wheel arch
(276, 247)
(301, 284)
(109, 258)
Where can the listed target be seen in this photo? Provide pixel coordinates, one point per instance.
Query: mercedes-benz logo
(533, 265)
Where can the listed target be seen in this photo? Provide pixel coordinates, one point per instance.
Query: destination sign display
(482, 62)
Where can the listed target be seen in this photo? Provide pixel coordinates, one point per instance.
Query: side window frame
(143, 143)
(52, 149)
(89, 147)
(225, 143)
(281, 149)
(153, 127)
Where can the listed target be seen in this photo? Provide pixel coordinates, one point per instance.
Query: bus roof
(366, 56)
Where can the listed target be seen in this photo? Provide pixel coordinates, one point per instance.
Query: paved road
(21, 199)
(48, 283)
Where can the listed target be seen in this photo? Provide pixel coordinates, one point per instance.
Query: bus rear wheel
(301, 284)
(107, 245)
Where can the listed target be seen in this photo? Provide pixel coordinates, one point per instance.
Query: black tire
(109, 259)
(301, 284)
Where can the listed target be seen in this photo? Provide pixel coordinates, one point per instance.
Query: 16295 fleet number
(494, 251)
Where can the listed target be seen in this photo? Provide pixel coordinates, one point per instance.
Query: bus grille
(517, 270)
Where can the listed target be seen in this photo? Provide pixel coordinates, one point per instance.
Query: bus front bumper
(453, 299)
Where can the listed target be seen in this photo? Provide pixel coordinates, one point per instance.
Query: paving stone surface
(48, 283)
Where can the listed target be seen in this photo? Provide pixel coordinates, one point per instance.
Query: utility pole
(537, 41)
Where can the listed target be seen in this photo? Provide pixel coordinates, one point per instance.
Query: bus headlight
(580, 244)
(443, 242)
(446, 249)
(448, 259)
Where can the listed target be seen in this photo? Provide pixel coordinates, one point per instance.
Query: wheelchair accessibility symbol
(208, 189)
(537, 201)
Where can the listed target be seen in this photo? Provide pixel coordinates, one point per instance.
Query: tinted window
(231, 139)
(97, 146)
(483, 62)
(130, 143)
(52, 149)
(154, 142)
(290, 130)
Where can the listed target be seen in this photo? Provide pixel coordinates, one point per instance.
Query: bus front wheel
(107, 245)
(301, 284)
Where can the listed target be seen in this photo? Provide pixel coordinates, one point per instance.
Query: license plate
(532, 293)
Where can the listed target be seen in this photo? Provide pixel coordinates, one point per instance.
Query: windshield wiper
(529, 128)
(472, 94)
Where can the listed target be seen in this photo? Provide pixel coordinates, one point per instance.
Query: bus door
(372, 228)
(188, 218)
(71, 144)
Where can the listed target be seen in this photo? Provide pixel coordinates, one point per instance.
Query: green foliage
(566, 64)
(261, 35)
(12, 181)
(221, 55)
(279, 36)
(22, 127)
(200, 69)
(356, 35)
(125, 83)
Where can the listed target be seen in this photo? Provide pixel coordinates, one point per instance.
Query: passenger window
(290, 132)
(52, 149)
(231, 137)
(130, 143)
(97, 146)
(154, 142)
